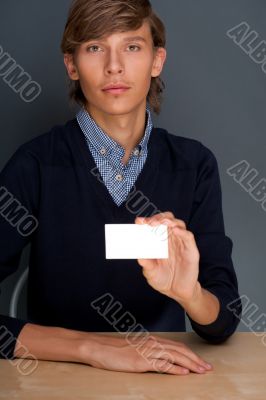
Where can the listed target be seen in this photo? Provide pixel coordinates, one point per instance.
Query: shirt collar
(103, 143)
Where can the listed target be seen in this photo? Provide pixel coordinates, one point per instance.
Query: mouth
(116, 90)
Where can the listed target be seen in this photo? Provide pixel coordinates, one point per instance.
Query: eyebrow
(127, 39)
(136, 38)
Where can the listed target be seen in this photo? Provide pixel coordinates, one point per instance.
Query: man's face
(119, 58)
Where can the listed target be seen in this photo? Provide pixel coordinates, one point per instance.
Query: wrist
(50, 343)
(87, 351)
(203, 307)
(78, 346)
(89, 348)
(70, 342)
(193, 298)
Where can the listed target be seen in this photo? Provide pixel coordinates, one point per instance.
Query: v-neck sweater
(54, 179)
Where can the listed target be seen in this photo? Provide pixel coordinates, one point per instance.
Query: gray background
(214, 93)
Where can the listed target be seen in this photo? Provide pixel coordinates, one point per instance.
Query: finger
(156, 221)
(164, 366)
(171, 222)
(194, 357)
(188, 362)
(174, 222)
(178, 346)
(166, 214)
(157, 217)
(181, 347)
(187, 236)
(179, 358)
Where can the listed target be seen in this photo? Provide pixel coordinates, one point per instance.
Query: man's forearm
(203, 308)
(50, 343)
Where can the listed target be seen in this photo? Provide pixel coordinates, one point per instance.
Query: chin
(118, 109)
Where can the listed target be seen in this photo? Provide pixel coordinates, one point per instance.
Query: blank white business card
(134, 241)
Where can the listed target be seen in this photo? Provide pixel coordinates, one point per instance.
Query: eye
(135, 46)
(92, 47)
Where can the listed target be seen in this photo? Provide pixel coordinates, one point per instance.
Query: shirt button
(103, 151)
(136, 152)
(119, 177)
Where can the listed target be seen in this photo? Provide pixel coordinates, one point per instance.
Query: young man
(97, 169)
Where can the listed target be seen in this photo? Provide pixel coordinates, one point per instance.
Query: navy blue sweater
(54, 179)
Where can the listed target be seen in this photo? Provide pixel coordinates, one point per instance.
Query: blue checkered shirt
(107, 153)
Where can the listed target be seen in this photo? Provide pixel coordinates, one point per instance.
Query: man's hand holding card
(164, 248)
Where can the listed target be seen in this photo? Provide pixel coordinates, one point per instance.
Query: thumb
(147, 264)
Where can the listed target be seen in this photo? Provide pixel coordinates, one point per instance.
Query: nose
(114, 63)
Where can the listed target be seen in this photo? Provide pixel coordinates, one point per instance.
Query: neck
(126, 129)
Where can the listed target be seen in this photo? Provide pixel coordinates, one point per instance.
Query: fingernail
(208, 366)
(201, 369)
(185, 371)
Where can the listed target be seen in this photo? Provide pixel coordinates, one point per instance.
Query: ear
(159, 60)
(70, 66)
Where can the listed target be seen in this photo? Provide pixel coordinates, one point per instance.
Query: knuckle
(182, 223)
(190, 235)
(168, 356)
(182, 345)
(140, 365)
(151, 342)
(151, 339)
(180, 370)
(161, 365)
(170, 214)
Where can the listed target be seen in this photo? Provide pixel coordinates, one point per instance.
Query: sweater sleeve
(216, 270)
(18, 210)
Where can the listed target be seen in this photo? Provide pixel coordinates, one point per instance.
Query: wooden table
(239, 373)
